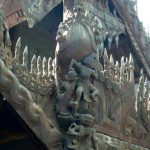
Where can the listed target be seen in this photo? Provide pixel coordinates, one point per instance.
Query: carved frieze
(83, 99)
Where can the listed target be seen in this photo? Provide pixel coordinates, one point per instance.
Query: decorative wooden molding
(72, 101)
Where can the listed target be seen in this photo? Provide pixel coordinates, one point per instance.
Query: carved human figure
(66, 96)
(84, 86)
(67, 109)
(78, 93)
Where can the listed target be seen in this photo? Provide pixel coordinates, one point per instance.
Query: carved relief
(74, 106)
(81, 25)
(74, 101)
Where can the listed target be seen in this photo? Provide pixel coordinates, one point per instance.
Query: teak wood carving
(82, 99)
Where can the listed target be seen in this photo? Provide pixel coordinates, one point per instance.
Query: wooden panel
(13, 11)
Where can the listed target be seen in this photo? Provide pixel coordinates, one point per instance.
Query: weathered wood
(85, 93)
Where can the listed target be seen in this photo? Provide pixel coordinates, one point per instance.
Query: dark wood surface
(14, 134)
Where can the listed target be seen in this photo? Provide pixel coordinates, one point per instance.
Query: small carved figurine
(84, 87)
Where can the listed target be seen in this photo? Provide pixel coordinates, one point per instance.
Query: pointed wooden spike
(131, 61)
(141, 72)
(25, 52)
(117, 40)
(141, 80)
(127, 61)
(18, 48)
(117, 71)
(131, 68)
(131, 80)
(146, 84)
(39, 60)
(50, 67)
(117, 64)
(33, 60)
(50, 61)
(122, 71)
(44, 61)
(25, 56)
(44, 64)
(122, 60)
(39, 65)
(105, 55)
(109, 41)
(33, 64)
(122, 64)
(111, 60)
(18, 43)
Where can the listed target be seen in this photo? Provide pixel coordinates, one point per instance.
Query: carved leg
(79, 92)
(95, 92)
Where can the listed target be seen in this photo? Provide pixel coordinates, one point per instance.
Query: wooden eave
(133, 36)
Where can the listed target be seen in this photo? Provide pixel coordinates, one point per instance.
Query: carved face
(90, 60)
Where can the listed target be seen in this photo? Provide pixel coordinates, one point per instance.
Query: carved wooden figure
(85, 98)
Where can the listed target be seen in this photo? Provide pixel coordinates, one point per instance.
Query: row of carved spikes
(40, 67)
(119, 73)
(143, 92)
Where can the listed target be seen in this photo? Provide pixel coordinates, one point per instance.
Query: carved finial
(127, 69)
(39, 66)
(126, 61)
(141, 73)
(112, 68)
(131, 63)
(106, 63)
(122, 64)
(141, 81)
(109, 38)
(122, 70)
(33, 65)
(146, 82)
(50, 67)
(44, 64)
(117, 71)
(25, 57)
(106, 59)
(111, 60)
(17, 50)
(117, 40)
